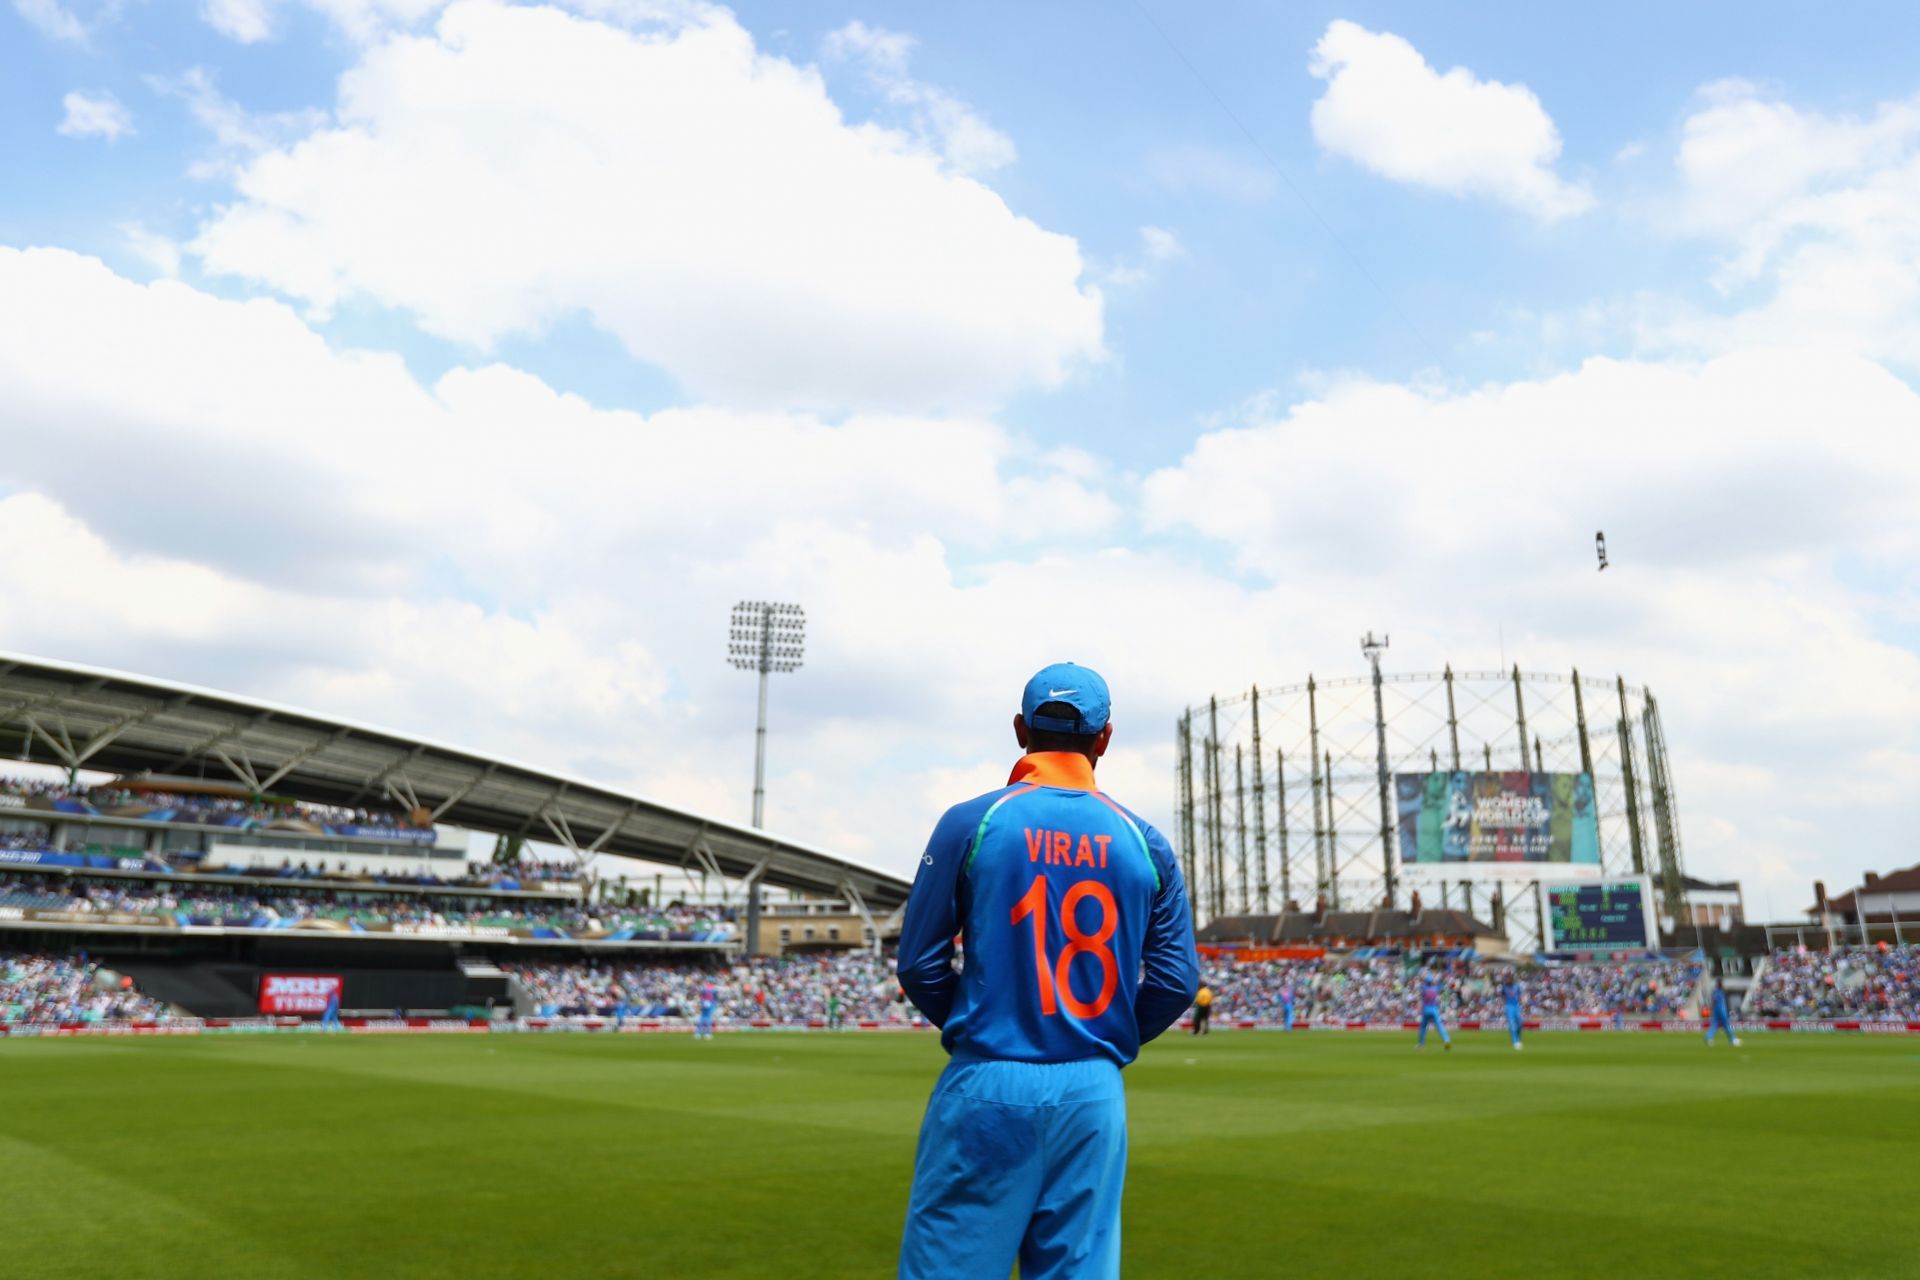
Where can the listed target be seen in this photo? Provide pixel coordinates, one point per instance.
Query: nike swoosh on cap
(1060, 693)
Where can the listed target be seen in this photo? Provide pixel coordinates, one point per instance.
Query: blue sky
(1009, 339)
(1092, 95)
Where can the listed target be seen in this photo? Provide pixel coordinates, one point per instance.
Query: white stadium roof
(96, 719)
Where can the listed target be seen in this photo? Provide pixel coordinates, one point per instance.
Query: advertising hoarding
(1489, 818)
(298, 993)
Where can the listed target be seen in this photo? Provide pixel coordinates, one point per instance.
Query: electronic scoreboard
(1600, 915)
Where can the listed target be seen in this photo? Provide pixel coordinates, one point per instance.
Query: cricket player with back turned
(1079, 948)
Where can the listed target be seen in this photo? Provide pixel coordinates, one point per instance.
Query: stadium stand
(165, 899)
(1376, 987)
(40, 988)
(192, 802)
(789, 992)
(162, 899)
(1877, 983)
(1384, 988)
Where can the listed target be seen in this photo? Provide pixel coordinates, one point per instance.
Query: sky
(456, 366)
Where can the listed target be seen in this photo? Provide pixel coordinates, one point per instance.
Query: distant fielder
(1430, 1012)
(709, 998)
(1510, 996)
(1722, 1021)
(1079, 948)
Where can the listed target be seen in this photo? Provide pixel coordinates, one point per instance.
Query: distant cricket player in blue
(1079, 948)
(709, 997)
(1722, 1021)
(1286, 1007)
(1510, 995)
(1430, 1012)
(330, 1019)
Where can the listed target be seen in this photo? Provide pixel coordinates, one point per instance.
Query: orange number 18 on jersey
(1056, 987)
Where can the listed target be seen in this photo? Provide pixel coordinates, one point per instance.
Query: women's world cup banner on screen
(1497, 818)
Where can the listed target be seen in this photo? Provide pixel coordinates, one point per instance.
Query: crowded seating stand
(858, 989)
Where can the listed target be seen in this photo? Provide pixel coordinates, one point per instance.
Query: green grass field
(1336, 1155)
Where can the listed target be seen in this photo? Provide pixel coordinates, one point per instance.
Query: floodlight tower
(1373, 649)
(763, 637)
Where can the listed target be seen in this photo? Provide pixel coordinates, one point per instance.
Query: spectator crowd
(51, 989)
(862, 987)
(846, 987)
(1877, 983)
(1386, 989)
(194, 807)
(188, 902)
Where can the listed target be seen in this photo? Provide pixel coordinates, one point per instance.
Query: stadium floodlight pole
(1373, 649)
(763, 637)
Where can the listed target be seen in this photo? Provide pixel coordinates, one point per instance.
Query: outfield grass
(761, 1155)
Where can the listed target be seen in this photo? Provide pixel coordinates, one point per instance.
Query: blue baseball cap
(1079, 687)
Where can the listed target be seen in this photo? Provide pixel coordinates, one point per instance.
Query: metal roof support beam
(107, 733)
(299, 758)
(51, 701)
(860, 909)
(541, 812)
(380, 779)
(465, 790)
(557, 823)
(703, 858)
(751, 886)
(234, 729)
(600, 841)
(62, 750)
(244, 772)
(399, 788)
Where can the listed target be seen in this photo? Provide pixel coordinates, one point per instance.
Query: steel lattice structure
(1283, 794)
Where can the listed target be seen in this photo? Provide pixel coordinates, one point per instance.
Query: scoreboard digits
(1602, 915)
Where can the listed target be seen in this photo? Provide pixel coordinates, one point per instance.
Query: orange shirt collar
(1067, 769)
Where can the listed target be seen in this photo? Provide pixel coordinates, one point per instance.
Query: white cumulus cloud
(251, 21)
(52, 19)
(1743, 499)
(1819, 215)
(1386, 109)
(247, 21)
(705, 203)
(93, 115)
(494, 562)
(488, 560)
(968, 142)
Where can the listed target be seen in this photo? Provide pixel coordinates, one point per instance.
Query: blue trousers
(1431, 1018)
(1286, 1016)
(705, 1025)
(1513, 1022)
(1019, 1160)
(1719, 1023)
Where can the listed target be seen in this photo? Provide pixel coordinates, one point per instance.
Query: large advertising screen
(1493, 818)
(1600, 915)
(298, 992)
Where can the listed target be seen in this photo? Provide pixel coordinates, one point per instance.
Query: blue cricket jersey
(1073, 915)
(1429, 996)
